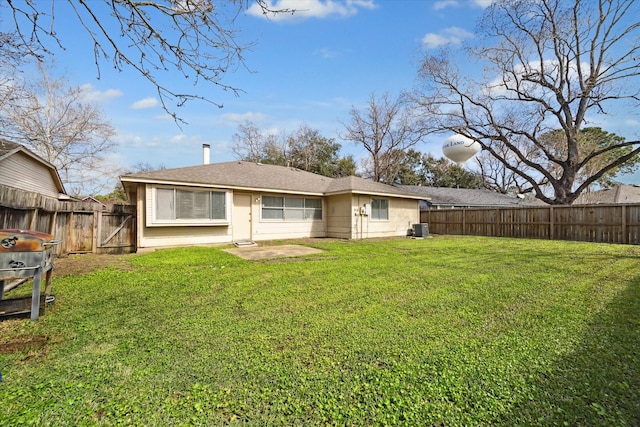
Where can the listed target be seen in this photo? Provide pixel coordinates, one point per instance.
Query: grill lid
(12, 240)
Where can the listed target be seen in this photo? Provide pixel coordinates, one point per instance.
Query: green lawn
(452, 331)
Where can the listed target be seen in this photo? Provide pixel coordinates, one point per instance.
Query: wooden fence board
(613, 223)
(81, 227)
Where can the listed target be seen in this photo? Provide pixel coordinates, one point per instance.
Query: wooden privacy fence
(81, 227)
(614, 223)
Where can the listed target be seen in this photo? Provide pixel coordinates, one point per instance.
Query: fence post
(97, 228)
(33, 221)
(464, 221)
(551, 223)
(625, 237)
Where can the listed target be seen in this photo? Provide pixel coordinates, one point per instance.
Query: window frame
(377, 209)
(154, 219)
(305, 213)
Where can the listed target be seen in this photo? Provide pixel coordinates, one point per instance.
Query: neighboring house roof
(617, 194)
(466, 197)
(268, 178)
(8, 149)
(105, 204)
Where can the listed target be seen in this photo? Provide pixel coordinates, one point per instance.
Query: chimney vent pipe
(205, 154)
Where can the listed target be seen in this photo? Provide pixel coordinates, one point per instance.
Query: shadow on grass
(599, 383)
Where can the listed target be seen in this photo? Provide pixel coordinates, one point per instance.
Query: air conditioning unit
(420, 230)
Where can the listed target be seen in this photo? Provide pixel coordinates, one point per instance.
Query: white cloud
(305, 9)
(164, 117)
(443, 4)
(482, 3)
(149, 102)
(243, 117)
(327, 53)
(91, 94)
(451, 35)
(179, 138)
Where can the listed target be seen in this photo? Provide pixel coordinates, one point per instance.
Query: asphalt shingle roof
(618, 194)
(249, 175)
(7, 147)
(465, 196)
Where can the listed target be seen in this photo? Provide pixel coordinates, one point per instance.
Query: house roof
(617, 194)
(466, 196)
(8, 149)
(267, 178)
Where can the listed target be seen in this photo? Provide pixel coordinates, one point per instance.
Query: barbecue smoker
(24, 255)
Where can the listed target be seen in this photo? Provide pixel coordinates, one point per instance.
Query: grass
(451, 331)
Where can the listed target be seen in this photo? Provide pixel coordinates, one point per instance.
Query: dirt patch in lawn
(22, 344)
(87, 263)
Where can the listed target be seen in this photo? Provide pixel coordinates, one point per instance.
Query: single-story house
(22, 169)
(245, 201)
(448, 198)
(622, 193)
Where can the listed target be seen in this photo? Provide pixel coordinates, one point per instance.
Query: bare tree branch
(50, 118)
(197, 38)
(549, 64)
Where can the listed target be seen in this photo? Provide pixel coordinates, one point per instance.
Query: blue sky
(308, 68)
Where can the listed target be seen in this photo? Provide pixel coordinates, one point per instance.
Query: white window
(172, 205)
(291, 208)
(379, 209)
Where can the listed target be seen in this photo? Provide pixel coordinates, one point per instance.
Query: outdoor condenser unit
(420, 230)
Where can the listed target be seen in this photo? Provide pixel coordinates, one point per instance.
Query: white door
(241, 217)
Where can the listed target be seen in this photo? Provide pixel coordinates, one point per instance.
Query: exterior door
(241, 217)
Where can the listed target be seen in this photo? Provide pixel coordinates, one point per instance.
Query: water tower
(459, 148)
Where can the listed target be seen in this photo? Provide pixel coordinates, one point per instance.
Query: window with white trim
(379, 209)
(291, 208)
(189, 206)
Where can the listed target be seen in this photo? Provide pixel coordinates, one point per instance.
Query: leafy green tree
(416, 168)
(444, 173)
(593, 140)
(411, 169)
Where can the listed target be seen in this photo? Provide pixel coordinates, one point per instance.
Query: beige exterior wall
(21, 171)
(340, 218)
(163, 236)
(265, 229)
(155, 236)
(403, 213)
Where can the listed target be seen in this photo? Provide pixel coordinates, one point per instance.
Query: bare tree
(496, 177)
(385, 130)
(304, 149)
(248, 143)
(50, 118)
(549, 64)
(197, 38)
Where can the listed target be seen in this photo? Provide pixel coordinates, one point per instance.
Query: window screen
(291, 208)
(175, 204)
(379, 209)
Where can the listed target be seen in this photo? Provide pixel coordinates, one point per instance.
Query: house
(618, 194)
(22, 169)
(241, 201)
(447, 198)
